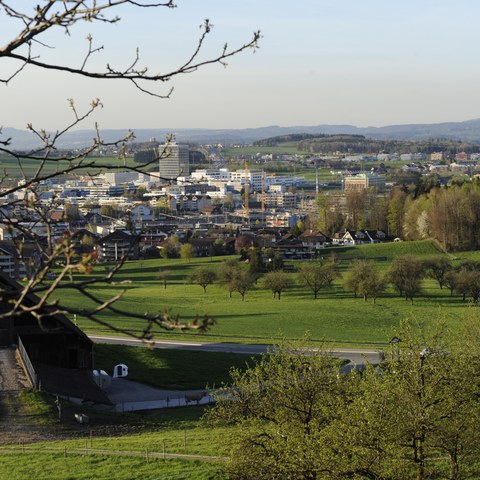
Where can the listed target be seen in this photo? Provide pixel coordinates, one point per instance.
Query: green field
(287, 148)
(124, 457)
(335, 316)
(53, 466)
(193, 369)
(29, 167)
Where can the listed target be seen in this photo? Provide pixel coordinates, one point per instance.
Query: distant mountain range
(468, 131)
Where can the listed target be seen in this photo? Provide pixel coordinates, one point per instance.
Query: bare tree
(58, 266)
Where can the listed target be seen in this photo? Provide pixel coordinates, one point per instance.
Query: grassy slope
(53, 466)
(192, 370)
(335, 316)
(167, 427)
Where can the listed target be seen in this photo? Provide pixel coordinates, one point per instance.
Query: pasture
(336, 316)
(92, 454)
(29, 167)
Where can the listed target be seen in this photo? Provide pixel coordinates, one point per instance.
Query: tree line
(297, 414)
(450, 215)
(405, 275)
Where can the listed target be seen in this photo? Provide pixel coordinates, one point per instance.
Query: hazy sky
(360, 62)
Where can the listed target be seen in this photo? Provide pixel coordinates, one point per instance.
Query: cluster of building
(127, 213)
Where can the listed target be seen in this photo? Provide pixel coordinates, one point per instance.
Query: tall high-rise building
(173, 161)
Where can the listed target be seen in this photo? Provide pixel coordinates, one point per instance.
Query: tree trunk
(419, 459)
(279, 293)
(454, 470)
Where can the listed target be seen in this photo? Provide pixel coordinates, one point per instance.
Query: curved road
(356, 356)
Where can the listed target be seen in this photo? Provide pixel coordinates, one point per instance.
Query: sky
(357, 62)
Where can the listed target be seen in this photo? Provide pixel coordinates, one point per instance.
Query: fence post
(65, 452)
(164, 449)
(146, 455)
(185, 439)
(91, 438)
(86, 445)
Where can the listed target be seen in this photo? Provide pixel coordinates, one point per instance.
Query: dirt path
(14, 421)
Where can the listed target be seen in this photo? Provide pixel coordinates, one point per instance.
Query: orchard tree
(354, 276)
(277, 282)
(468, 284)
(227, 271)
(243, 282)
(316, 276)
(450, 280)
(187, 251)
(30, 47)
(406, 274)
(363, 278)
(281, 407)
(202, 276)
(164, 275)
(413, 416)
(437, 268)
(372, 284)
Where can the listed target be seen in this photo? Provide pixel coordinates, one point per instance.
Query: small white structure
(120, 370)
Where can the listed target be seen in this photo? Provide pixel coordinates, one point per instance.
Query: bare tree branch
(57, 266)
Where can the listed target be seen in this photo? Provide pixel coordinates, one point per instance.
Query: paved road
(356, 356)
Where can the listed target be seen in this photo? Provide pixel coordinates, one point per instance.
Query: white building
(254, 178)
(214, 175)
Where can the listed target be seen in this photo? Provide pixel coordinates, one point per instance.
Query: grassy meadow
(286, 148)
(335, 316)
(123, 457)
(53, 466)
(29, 167)
(155, 367)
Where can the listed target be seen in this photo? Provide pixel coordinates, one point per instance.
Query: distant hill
(468, 131)
(344, 143)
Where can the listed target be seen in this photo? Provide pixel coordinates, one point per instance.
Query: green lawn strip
(336, 316)
(53, 466)
(171, 369)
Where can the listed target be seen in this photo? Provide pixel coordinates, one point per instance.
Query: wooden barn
(60, 354)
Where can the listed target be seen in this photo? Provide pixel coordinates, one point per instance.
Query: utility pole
(246, 192)
(263, 197)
